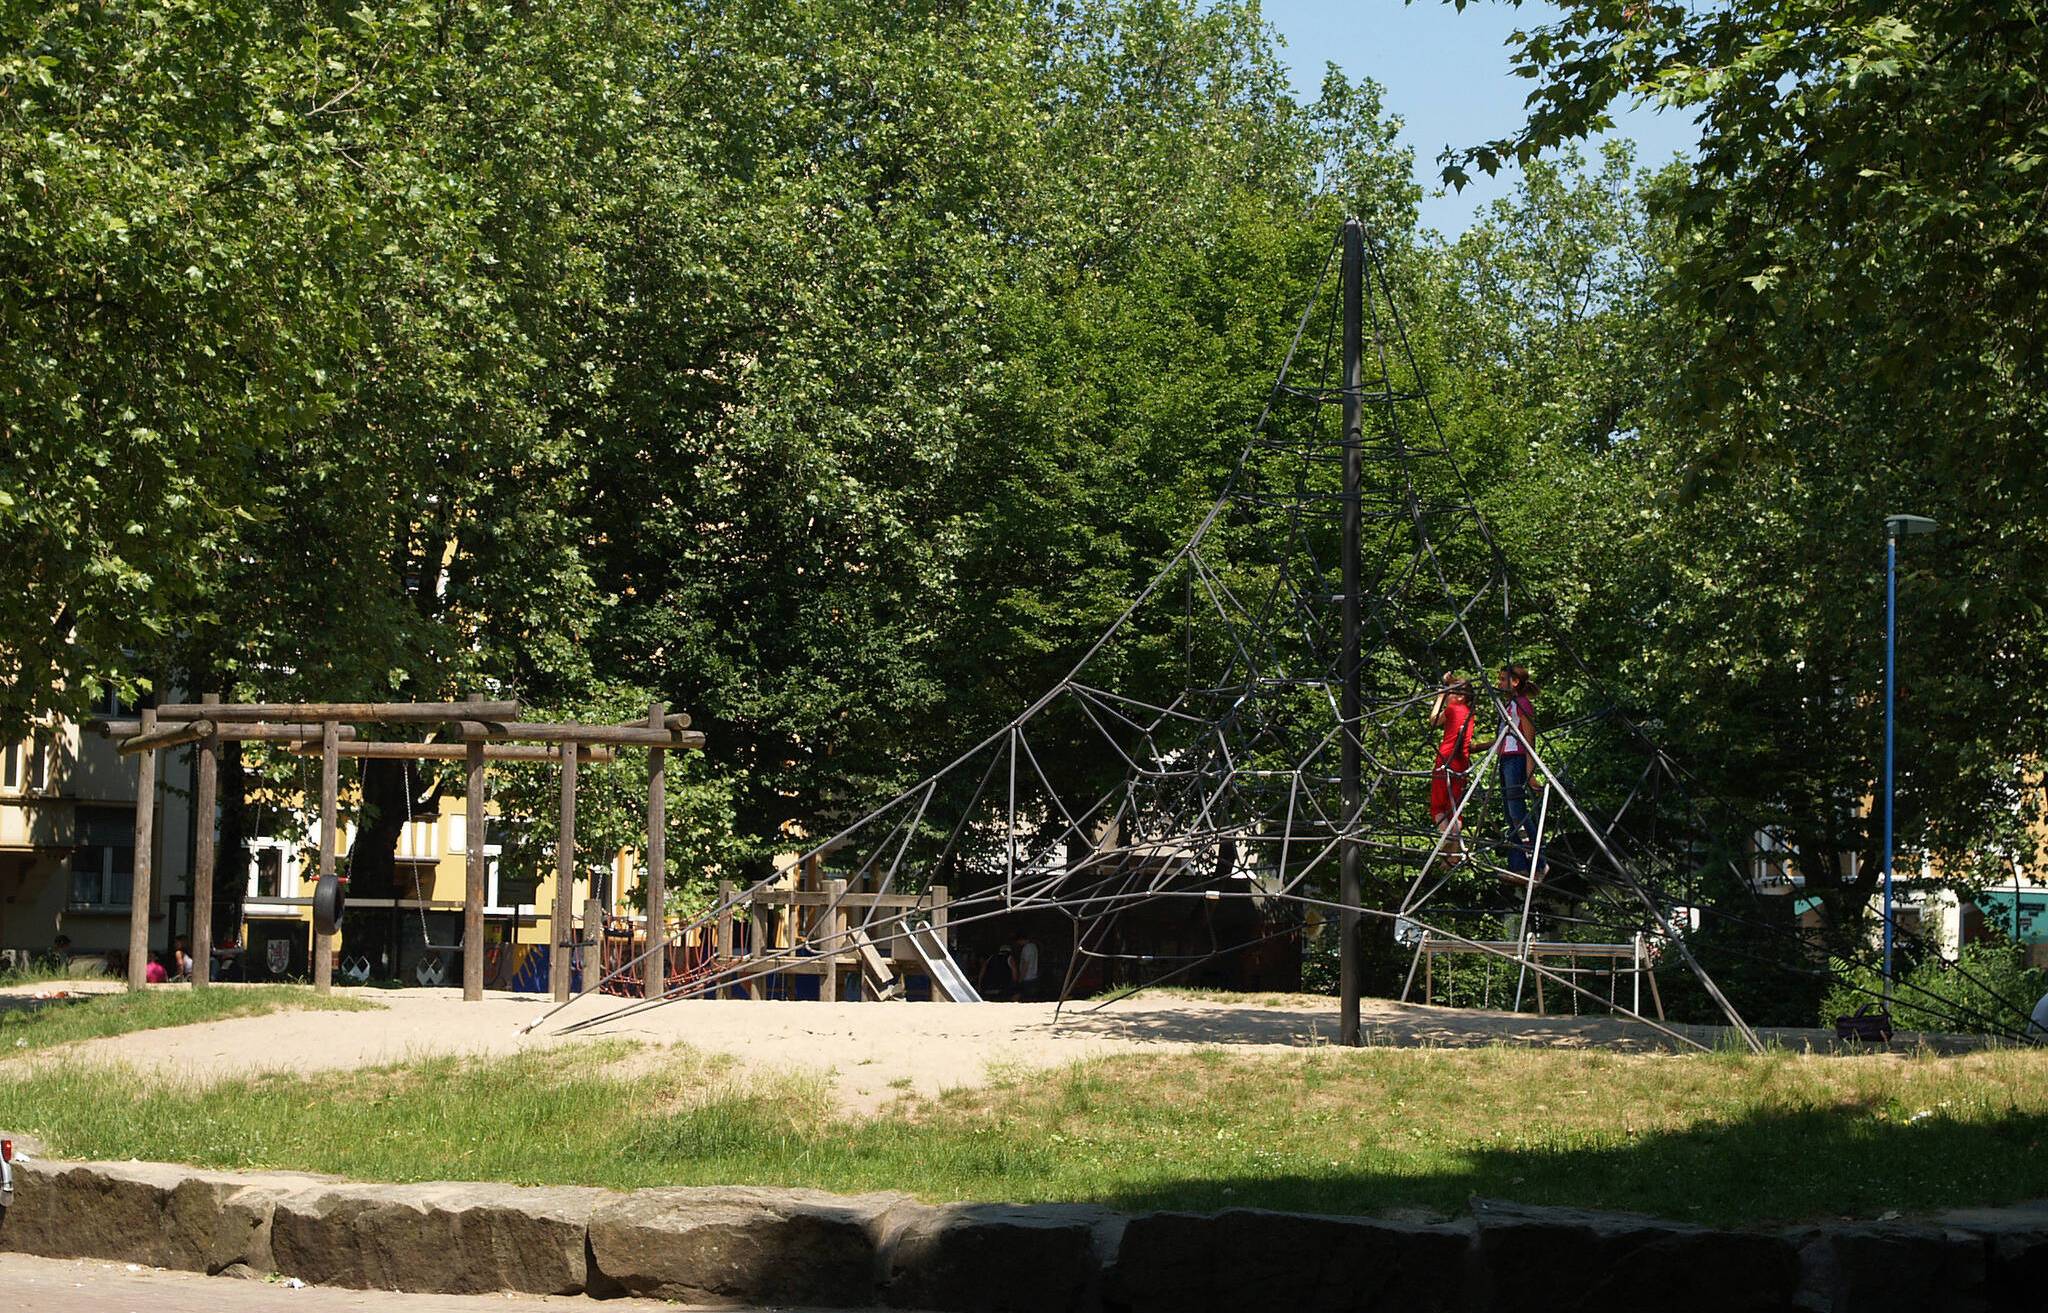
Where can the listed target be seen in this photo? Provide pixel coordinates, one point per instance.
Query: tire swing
(330, 894)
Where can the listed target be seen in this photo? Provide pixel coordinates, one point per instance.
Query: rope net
(1194, 751)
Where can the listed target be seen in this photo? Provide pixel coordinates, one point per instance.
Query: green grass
(39, 973)
(1717, 1138)
(25, 1026)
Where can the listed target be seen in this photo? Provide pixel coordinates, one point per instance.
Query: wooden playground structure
(1635, 953)
(855, 944)
(477, 731)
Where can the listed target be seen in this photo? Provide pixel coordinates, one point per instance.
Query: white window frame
(288, 875)
(23, 759)
(493, 907)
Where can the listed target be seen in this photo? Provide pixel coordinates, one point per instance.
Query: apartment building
(67, 843)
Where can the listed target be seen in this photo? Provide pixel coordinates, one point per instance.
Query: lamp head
(1898, 526)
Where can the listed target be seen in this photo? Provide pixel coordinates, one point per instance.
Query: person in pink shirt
(154, 973)
(1515, 688)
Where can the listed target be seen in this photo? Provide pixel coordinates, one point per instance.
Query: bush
(1321, 964)
(1989, 989)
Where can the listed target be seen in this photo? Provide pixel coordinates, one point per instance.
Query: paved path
(83, 1285)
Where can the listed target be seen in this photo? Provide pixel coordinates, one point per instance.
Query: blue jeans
(1514, 793)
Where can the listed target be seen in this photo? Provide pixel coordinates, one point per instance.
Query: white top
(2038, 1032)
(1518, 709)
(1027, 964)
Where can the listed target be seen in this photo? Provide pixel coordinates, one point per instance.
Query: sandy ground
(870, 1052)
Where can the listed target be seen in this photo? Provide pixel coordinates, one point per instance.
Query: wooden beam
(330, 794)
(677, 720)
(460, 751)
(246, 732)
(167, 736)
(473, 872)
(570, 731)
(565, 877)
(204, 789)
(139, 893)
(428, 712)
(656, 978)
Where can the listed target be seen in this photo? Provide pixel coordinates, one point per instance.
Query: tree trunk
(231, 852)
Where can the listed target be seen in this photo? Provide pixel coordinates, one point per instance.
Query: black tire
(329, 899)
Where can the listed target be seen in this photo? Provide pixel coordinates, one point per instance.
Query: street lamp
(1895, 527)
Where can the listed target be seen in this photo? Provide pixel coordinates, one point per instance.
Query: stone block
(148, 1213)
(992, 1258)
(442, 1238)
(2014, 1244)
(1537, 1259)
(741, 1245)
(1881, 1267)
(1249, 1258)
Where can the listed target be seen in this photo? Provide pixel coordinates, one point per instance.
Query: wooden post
(830, 928)
(330, 793)
(656, 977)
(139, 891)
(593, 943)
(565, 881)
(473, 875)
(727, 891)
(205, 787)
(757, 936)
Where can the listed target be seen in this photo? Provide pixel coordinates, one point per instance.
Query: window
(273, 869)
(514, 896)
(103, 863)
(269, 873)
(111, 706)
(25, 766)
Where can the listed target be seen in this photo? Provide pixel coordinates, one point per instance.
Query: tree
(923, 372)
(1858, 269)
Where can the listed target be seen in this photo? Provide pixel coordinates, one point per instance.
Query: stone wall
(759, 1246)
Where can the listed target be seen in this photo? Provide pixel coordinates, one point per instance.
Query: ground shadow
(1779, 1166)
(1410, 1025)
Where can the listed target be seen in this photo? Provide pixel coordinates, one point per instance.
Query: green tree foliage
(921, 376)
(292, 296)
(831, 372)
(1855, 266)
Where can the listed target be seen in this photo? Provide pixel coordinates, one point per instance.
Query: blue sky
(1446, 75)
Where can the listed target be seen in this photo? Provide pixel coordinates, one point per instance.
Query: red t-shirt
(1456, 748)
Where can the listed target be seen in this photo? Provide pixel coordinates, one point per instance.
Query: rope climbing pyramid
(1306, 706)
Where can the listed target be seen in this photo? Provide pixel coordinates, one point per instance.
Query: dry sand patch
(869, 1053)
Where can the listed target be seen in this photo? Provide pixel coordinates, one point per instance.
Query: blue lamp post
(1895, 527)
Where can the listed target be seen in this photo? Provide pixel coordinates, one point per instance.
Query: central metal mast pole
(1891, 659)
(1354, 436)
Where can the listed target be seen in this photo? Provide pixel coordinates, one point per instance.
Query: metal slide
(947, 977)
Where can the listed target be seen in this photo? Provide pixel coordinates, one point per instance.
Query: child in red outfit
(1451, 713)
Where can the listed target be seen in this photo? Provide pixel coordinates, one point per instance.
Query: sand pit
(871, 1053)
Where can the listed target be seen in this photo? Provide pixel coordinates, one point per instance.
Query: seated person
(998, 979)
